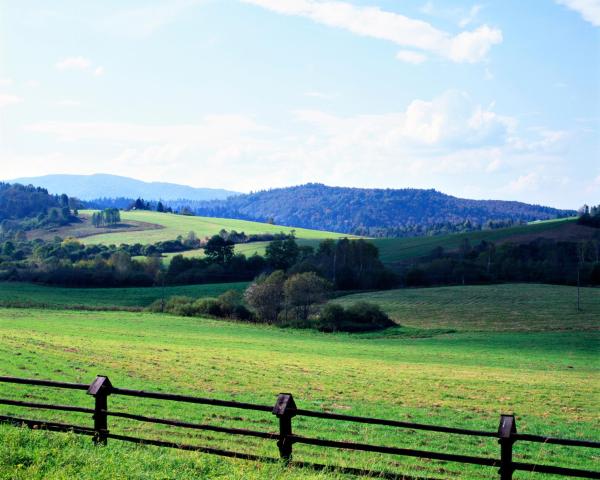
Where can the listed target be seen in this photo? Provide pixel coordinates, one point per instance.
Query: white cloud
(427, 143)
(7, 100)
(74, 63)
(410, 56)
(529, 181)
(474, 46)
(81, 64)
(450, 120)
(588, 9)
(470, 17)
(144, 21)
(321, 95)
(6, 82)
(467, 46)
(33, 83)
(67, 103)
(212, 130)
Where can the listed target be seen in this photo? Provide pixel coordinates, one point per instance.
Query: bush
(360, 317)
(227, 305)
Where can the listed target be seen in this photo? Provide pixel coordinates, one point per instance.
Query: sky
(498, 99)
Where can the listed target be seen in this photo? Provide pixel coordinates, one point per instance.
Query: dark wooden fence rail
(285, 410)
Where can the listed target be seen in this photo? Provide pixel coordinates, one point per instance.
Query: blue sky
(498, 99)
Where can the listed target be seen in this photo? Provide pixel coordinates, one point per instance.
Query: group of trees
(294, 300)
(541, 260)
(106, 218)
(24, 208)
(589, 216)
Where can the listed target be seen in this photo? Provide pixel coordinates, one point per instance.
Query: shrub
(360, 317)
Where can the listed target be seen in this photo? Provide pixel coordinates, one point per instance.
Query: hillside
(395, 250)
(509, 307)
(27, 207)
(374, 212)
(174, 225)
(89, 187)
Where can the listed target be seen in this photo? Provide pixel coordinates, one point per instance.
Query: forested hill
(374, 212)
(26, 207)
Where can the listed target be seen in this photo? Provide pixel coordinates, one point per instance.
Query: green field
(175, 225)
(466, 378)
(393, 250)
(12, 293)
(507, 307)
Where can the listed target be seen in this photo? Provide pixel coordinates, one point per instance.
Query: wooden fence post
(285, 410)
(506, 430)
(100, 389)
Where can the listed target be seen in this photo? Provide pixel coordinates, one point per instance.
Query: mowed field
(174, 225)
(14, 293)
(493, 362)
(506, 307)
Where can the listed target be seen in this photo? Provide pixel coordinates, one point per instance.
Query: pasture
(414, 372)
(506, 307)
(174, 225)
(13, 293)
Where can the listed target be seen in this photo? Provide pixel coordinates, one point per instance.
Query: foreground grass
(507, 307)
(27, 455)
(13, 293)
(549, 379)
(174, 225)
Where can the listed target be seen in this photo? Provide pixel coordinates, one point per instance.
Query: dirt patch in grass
(84, 228)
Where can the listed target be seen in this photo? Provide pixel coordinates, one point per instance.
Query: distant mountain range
(89, 187)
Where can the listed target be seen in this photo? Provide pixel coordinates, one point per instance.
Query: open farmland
(417, 373)
(174, 225)
(15, 293)
(506, 307)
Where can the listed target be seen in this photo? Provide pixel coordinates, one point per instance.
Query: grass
(507, 307)
(247, 249)
(466, 378)
(394, 250)
(12, 293)
(174, 225)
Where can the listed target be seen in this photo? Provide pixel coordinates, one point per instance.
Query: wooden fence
(285, 410)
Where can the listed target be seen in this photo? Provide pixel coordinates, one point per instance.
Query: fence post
(285, 410)
(506, 430)
(100, 389)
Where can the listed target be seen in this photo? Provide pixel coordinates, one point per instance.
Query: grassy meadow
(487, 362)
(506, 307)
(174, 225)
(393, 250)
(14, 293)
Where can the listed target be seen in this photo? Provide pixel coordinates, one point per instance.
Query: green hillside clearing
(174, 225)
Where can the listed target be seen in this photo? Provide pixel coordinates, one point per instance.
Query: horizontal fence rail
(285, 410)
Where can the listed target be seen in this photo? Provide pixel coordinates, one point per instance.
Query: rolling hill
(167, 226)
(89, 187)
(374, 212)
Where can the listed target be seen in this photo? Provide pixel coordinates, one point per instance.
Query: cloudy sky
(498, 99)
